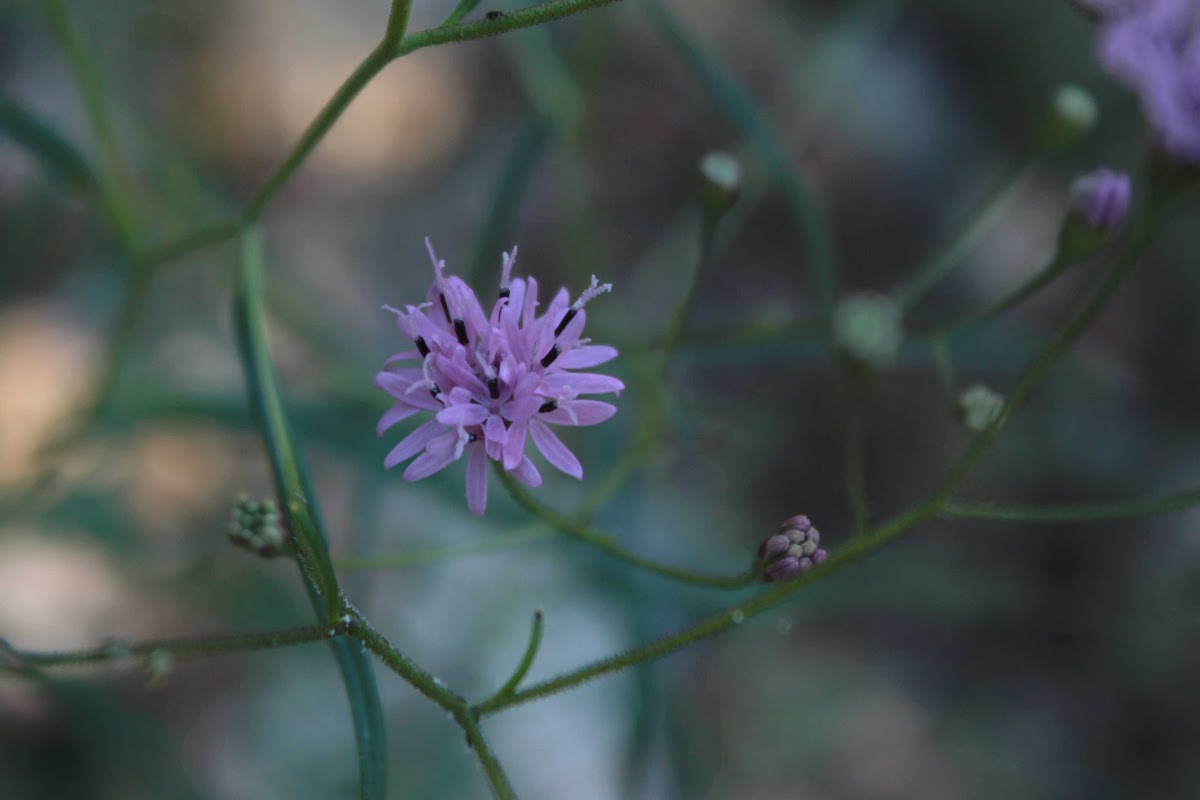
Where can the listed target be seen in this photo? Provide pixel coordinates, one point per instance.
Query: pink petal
(413, 443)
(494, 436)
(407, 355)
(527, 473)
(586, 356)
(463, 415)
(514, 448)
(554, 450)
(580, 412)
(396, 382)
(394, 415)
(477, 480)
(439, 454)
(583, 382)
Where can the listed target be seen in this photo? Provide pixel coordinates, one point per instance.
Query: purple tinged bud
(1101, 198)
(791, 552)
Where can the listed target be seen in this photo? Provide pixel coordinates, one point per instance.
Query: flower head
(791, 552)
(493, 380)
(1153, 46)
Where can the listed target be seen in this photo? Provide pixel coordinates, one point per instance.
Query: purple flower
(791, 552)
(1153, 46)
(1102, 198)
(493, 381)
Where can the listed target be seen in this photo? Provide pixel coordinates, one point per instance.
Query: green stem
(677, 324)
(189, 243)
(937, 268)
(1072, 512)
(944, 368)
(403, 666)
(879, 536)
(115, 190)
(857, 383)
(531, 649)
(797, 188)
(511, 21)
(1044, 277)
(12, 659)
(492, 770)
(582, 532)
(397, 24)
(371, 66)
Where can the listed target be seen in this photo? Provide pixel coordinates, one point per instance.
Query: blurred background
(966, 660)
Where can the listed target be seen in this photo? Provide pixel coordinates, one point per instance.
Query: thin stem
(857, 383)
(403, 666)
(677, 324)
(944, 368)
(115, 191)
(797, 188)
(188, 243)
(371, 66)
(510, 21)
(880, 535)
(14, 660)
(397, 23)
(1072, 512)
(1055, 267)
(937, 268)
(492, 770)
(531, 649)
(584, 533)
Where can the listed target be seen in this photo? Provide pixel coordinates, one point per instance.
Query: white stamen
(438, 266)
(508, 260)
(595, 290)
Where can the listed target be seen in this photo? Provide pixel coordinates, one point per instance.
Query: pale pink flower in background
(493, 381)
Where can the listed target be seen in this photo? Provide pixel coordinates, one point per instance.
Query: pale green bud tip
(868, 328)
(257, 527)
(980, 406)
(1073, 115)
(721, 182)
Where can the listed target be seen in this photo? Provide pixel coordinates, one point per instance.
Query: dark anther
(422, 348)
(494, 388)
(494, 15)
(460, 330)
(548, 359)
(471, 437)
(566, 320)
(505, 292)
(435, 390)
(548, 406)
(445, 308)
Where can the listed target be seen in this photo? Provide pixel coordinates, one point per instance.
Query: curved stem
(937, 268)
(14, 660)
(880, 535)
(1072, 512)
(604, 543)
(510, 21)
(797, 188)
(1054, 268)
(535, 641)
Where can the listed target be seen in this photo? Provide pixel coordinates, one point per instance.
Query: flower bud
(720, 183)
(257, 527)
(791, 552)
(1099, 202)
(868, 329)
(1072, 117)
(980, 406)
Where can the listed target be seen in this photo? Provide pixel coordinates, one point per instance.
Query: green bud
(868, 329)
(980, 407)
(1071, 119)
(720, 183)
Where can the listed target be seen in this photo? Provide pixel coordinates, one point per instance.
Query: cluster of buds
(256, 527)
(791, 552)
